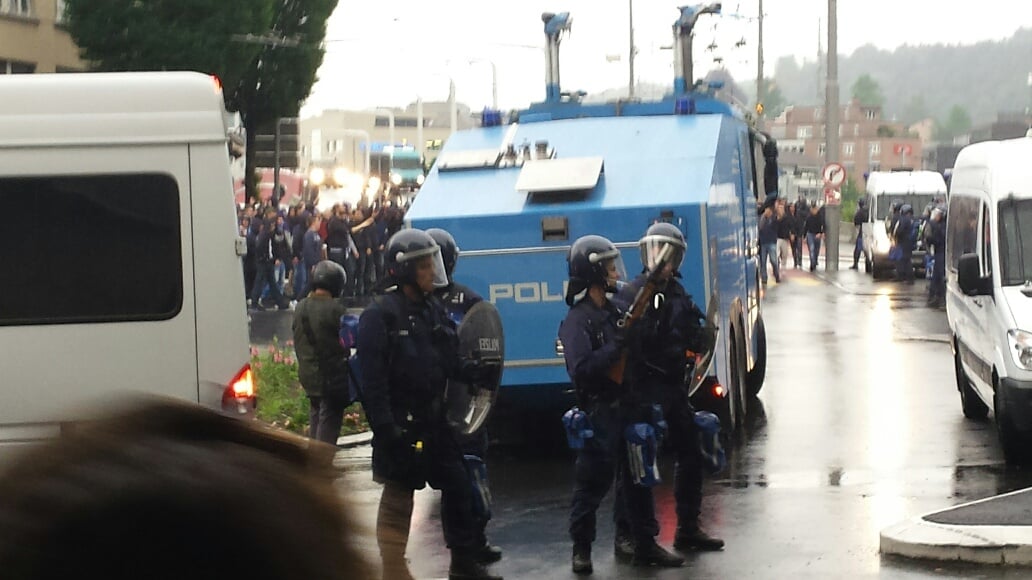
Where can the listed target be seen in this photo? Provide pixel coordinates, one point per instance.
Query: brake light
(218, 84)
(718, 390)
(242, 385)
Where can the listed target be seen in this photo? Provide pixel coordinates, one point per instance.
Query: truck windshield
(407, 162)
(918, 201)
(1015, 241)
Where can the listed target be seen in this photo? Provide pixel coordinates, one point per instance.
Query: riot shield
(698, 369)
(482, 344)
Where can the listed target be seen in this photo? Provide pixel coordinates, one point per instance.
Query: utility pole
(760, 97)
(832, 209)
(630, 51)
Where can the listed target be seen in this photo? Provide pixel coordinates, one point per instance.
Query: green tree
(868, 91)
(958, 122)
(285, 73)
(133, 35)
(773, 101)
(264, 79)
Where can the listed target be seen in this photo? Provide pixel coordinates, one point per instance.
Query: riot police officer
(407, 349)
(592, 345)
(457, 299)
(670, 326)
(322, 361)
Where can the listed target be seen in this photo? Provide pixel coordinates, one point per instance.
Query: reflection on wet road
(860, 426)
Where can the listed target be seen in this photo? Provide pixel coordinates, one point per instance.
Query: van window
(1015, 242)
(918, 201)
(987, 243)
(961, 228)
(98, 248)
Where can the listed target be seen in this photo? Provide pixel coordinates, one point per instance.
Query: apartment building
(32, 39)
(867, 141)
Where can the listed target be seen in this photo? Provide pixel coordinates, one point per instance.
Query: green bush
(281, 400)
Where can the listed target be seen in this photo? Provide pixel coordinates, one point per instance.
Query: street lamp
(494, 79)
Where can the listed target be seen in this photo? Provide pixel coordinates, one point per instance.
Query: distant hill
(921, 81)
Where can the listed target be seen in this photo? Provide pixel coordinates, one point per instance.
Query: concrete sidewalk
(994, 530)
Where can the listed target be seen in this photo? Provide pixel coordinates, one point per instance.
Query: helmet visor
(612, 264)
(434, 253)
(656, 250)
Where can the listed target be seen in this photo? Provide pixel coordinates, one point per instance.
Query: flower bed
(281, 400)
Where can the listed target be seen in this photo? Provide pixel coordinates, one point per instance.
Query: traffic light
(287, 132)
(759, 108)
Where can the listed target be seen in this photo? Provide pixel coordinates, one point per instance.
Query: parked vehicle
(989, 286)
(123, 256)
(917, 188)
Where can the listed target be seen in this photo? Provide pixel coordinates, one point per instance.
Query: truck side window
(962, 228)
(987, 243)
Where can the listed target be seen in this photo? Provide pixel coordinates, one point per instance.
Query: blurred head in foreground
(165, 491)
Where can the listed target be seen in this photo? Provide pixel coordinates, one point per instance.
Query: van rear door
(98, 298)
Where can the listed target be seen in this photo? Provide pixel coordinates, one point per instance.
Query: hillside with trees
(945, 82)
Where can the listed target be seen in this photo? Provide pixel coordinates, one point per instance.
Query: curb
(918, 538)
(349, 441)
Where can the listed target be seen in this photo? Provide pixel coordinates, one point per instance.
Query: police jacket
(322, 364)
(671, 325)
(406, 350)
(457, 299)
(860, 216)
(936, 236)
(587, 335)
(904, 232)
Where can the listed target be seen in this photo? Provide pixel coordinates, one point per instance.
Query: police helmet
(404, 250)
(907, 209)
(449, 249)
(662, 240)
(589, 260)
(895, 205)
(329, 276)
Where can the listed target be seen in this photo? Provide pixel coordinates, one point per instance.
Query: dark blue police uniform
(588, 338)
(656, 368)
(407, 351)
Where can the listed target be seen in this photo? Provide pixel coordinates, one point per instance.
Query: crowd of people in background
(283, 246)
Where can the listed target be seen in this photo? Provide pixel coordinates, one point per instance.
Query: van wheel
(973, 406)
(754, 378)
(1012, 441)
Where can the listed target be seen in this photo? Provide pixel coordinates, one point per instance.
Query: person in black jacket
(814, 234)
(859, 218)
(321, 360)
(798, 235)
(407, 350)
(904, 235)
(265, 264)
(935, 238)
(768, 234)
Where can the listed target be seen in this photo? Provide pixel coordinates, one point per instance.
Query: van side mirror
(969, 277)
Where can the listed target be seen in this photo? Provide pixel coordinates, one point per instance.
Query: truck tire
(754, 378)
(731, 410)
(973, 406)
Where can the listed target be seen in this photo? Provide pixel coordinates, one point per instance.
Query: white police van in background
(989, 286)
(917, 188)
(121, 257)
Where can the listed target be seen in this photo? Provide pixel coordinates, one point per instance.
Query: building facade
(338, 137)
(33, 40)
(867, 141)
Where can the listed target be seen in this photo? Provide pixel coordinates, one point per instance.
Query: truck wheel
(1012, 441)
(731, 409)
(973, 406)
(754, 378)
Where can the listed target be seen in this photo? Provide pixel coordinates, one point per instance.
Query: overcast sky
(388, 52)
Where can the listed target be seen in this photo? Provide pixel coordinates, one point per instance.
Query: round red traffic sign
(834, 174)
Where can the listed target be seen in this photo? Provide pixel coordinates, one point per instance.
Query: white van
(917, 188)
(120, 255)
(989, 285)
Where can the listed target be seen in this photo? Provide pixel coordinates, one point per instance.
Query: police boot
(696, 539)
(464, 566)
(649, 553)
(582, 559)
(623, 546)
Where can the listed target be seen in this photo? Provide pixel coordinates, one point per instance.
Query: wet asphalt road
(860, 427)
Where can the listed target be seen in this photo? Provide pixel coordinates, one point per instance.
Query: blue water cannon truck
(516, 195)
